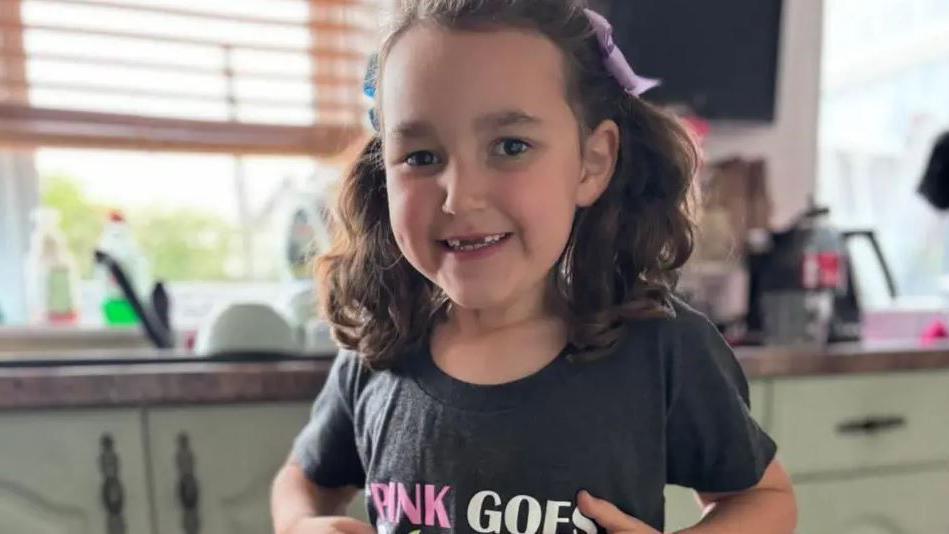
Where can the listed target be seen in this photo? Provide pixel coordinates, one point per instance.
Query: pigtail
(639, 233)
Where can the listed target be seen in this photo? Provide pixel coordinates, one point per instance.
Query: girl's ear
(600, 152)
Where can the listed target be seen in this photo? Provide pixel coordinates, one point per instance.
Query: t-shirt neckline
(481, 397)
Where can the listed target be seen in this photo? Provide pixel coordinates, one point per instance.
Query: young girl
(514, 360)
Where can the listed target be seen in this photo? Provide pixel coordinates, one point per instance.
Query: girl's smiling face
(484, 163)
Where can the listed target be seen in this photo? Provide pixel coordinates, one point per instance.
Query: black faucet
(155, 317)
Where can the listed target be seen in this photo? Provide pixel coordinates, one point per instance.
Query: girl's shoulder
(683, 323)
(352, 375)
(697, 356)
(349, 374)
(687, 344)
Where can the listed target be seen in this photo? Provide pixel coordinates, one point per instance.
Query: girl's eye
(510, 147)
(421, 158)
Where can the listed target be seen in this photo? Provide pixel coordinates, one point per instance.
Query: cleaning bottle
(52, 285)
(118, 242)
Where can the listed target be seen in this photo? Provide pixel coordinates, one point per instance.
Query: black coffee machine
(808, 255)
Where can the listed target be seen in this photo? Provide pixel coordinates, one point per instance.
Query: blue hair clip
(369, 89)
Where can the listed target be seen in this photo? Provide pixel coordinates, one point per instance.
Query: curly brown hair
(629, 245)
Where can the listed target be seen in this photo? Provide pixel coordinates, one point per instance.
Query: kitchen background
(198, 143)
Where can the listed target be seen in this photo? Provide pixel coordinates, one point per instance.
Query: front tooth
(485, 241)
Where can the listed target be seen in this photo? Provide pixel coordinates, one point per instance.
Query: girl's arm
(769, 506)
(300, 507)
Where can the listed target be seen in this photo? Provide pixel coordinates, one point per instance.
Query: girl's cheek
(411, 212)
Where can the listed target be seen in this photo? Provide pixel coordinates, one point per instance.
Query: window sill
(20, 340)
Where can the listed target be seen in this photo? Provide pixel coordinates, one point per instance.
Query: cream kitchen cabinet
(73, 472)
(861, 422)
(905, 503)
(868, 453)
(157, 470)
(211, 467)
(682, 508)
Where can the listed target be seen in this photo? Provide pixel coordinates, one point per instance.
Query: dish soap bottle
(117, 241)
(52, 274)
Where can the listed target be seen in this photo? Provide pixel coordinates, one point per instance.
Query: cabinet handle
(113, 495)
(871, 425)
(188, 491)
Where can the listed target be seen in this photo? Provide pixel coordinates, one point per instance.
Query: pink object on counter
(936, 331)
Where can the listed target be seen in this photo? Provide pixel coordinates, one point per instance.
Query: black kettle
(812, 255)
(155, 318)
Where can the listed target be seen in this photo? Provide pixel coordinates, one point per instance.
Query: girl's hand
(610, 517)
(330, 525)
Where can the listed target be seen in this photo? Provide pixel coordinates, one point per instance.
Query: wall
(789, 145)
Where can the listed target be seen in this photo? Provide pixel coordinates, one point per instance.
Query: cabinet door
(58, 467)
(212, 466)
(682, 508)
(908, 503)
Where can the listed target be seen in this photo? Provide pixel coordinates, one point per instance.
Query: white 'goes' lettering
(583, 522)
(489, 521)
(512, 511)
(552, 516)
(474, 513)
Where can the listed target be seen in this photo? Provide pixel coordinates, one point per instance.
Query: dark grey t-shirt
(668, 405)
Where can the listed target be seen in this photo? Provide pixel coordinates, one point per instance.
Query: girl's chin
(475, 298)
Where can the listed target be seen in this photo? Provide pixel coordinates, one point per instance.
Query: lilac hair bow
(614, 60)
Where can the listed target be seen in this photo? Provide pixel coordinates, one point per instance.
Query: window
(257, 76)
(235, 206)
(206, 123)
(884, 80)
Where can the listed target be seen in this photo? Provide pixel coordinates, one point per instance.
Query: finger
(606, 514)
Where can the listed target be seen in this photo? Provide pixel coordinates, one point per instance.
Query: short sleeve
(326, 447)
(712, 442)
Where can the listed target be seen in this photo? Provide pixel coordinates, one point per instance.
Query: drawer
(905, 503)
(857, 422)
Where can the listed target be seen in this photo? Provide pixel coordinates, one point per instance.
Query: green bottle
(118, 312)
(117, 241)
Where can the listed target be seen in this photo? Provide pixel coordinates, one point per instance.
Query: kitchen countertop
(843, 358)
(160, 378)
(170, 382)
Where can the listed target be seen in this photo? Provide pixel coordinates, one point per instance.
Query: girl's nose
(464, 190)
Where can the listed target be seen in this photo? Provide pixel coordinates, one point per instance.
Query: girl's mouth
(474, 243)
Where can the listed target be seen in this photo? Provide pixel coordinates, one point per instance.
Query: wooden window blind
(243, 77)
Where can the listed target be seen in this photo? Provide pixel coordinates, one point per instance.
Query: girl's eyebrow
(493, 121)
(416, 129)
(412, 130)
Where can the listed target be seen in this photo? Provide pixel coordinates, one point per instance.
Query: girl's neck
(502, 344)
(501, 356)
(539, 305)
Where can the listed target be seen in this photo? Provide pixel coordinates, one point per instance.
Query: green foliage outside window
(182, 244)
